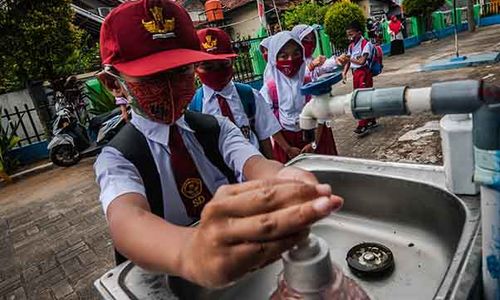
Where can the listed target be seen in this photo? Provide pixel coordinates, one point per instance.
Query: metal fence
(245, 63)
(490, 8)
(21, 122)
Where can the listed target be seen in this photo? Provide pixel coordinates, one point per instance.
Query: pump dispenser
(310, 275)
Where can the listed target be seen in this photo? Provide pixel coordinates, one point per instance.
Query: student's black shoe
(372, 124)
(361, 130)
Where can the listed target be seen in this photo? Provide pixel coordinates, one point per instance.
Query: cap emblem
(160, 27)
(210, 44)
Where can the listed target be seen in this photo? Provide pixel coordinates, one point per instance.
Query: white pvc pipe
(324, 108)
(341, 105)
(490, 219)
(418, 100)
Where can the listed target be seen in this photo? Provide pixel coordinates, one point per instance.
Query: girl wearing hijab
(320, 65)
(397, 40)
(285, 75)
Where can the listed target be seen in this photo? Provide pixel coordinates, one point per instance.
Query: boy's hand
(124, 116)
(297, 174)
(342, 59)
(344, 78)
(319, 61)
(247, 226)
(307, 149)
(292, 152)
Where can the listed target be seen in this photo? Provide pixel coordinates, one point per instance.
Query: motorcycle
(72, 140)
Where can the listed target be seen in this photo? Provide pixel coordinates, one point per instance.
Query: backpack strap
(139, 154)
(247, 98)
(363, 45)
(197, 102)
(207, 132)
(371, 57)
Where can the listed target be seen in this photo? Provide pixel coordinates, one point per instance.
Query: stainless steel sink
(404, 207)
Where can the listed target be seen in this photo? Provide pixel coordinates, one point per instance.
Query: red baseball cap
(144, 37)
(217, 42)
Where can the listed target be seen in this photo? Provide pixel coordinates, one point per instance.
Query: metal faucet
(475, 97)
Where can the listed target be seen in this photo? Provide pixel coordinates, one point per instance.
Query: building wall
(9, 102)
(197, 15)
(248, 15)
(365, 6)
(377, 6)
(371, 6)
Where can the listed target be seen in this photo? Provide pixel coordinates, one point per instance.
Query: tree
(422, 8)
(470, 15)
(338, 17)
(309, 13)
(39, 42)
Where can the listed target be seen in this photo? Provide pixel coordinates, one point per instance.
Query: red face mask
(289, 67)
(309, 47)
(164, 99)
(216, 80)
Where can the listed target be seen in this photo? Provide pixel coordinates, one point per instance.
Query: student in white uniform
(360, 52)
(220, 96)
(315, 67)
(167, 168)
(285, 76)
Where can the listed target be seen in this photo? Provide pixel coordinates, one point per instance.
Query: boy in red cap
(169, 168)
(220, 96)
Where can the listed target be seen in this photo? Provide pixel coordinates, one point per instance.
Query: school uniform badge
(192, 189)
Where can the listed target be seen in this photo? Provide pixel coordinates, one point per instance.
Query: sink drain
(370, 259)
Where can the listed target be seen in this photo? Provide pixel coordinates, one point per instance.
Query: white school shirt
(266, 124)
(329, 66)
(117, 176)
(356, 52)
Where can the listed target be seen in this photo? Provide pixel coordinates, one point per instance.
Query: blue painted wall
(491, 20)
(31, 153)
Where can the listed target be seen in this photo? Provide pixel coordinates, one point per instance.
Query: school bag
(375, 61)
(247, 98)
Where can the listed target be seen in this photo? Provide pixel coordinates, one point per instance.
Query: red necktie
(193, 191)
(224, 108)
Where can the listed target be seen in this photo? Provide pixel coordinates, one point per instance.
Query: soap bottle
(309, 274)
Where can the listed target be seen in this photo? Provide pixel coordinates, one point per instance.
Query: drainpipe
(456, 97)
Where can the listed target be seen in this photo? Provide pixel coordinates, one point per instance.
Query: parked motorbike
(72, 140)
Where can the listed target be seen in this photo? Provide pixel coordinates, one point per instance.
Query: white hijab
(265, 42)
(301, 31)
(291, 102)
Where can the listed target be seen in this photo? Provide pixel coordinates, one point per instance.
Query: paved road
(53, 236)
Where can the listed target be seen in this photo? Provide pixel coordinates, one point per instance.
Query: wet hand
(247, 226)
(319, 61)
(307, 149)
(297, 174)
(344, 78)
(342, 60)
(124, 116)
(292, 152)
